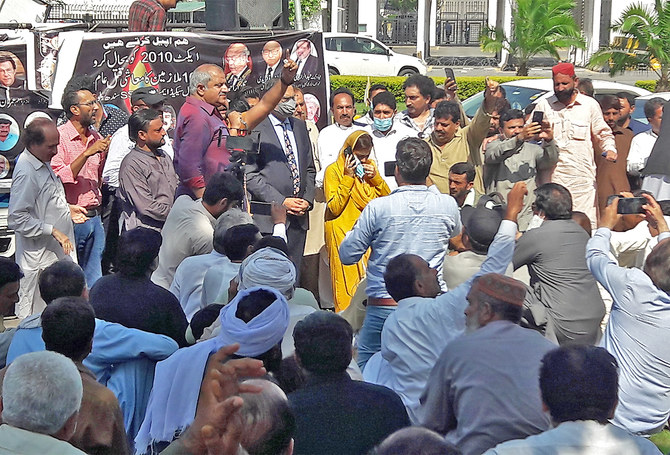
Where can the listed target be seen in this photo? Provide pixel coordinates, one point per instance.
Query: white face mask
(535, 222)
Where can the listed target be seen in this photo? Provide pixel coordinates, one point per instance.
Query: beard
(471, 324)
(565, 95)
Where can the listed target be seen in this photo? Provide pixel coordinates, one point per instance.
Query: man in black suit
(307, 63)
(272, 64)
(284, 173)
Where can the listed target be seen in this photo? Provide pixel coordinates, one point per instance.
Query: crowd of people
(411, 282)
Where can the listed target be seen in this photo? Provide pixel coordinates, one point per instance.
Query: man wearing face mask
(386, 133)
(284, 173)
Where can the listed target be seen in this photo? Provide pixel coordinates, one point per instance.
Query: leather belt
(376, 301)
(93, 211)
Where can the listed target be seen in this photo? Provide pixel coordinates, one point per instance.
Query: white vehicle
(523, 92)
(7, 239)
(356, 55)
(640, 101)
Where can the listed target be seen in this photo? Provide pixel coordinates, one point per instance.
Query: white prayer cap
(268, 267)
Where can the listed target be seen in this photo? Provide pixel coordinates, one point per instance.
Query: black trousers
(111, 211)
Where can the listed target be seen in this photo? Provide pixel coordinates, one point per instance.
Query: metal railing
(459, 23)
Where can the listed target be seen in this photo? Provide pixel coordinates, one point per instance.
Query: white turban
(261, 333)
(268, 267)
(178, 378)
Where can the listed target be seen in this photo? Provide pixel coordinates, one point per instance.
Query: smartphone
(389, 168)
(611, 198)
(359, 170)
(538, 117)
(449, 72)
(260, 208)
(631, 205)
(348, 151)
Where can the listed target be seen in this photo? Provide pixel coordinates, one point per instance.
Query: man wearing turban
(256, 319)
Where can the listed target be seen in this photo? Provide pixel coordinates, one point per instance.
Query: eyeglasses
(89, 104)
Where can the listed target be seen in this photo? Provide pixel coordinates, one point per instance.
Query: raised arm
(266, 105)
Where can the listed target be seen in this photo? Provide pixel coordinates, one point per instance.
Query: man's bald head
(268, 421)
(203, 73)
(208, 83)
(41, 138)
(416, 441)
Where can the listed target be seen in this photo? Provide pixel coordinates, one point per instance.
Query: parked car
(7, 239)
(356, 55)
(525, 91)
(640, 101)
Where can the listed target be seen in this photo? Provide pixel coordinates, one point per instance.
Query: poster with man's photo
(123, 62)
(18, 105)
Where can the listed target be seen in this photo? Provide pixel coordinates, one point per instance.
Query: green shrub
(649, 85)
(467, 85)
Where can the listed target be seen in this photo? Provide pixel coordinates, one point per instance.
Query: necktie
(290, 158)
(268, 73)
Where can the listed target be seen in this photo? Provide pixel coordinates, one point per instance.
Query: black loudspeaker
(263, 14)
(221, 15)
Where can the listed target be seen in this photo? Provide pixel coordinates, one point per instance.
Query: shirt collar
(553, 99)
(276, 122)
(470, 198)
(435, 144)
(32, 159)
(410, 188)
(70, 132)
(204, 105)
(144, 152)
(376, 133)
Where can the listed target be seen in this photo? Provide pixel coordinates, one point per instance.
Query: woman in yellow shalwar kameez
(347, 194)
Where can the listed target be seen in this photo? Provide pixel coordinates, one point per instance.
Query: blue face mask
(383, 124)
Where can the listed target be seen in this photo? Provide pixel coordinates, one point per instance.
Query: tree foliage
(644, 39)
(538, 26)
(308, 8)
(402, 5)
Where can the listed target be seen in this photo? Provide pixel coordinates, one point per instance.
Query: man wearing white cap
(272, 267)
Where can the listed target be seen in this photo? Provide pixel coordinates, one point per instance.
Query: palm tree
(537, 26)
(644, 40)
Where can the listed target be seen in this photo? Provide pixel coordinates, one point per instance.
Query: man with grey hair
(267, 419)
(39, 213)
(200, 136)
(41, 396)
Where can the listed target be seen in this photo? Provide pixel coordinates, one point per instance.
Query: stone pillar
(334, 15)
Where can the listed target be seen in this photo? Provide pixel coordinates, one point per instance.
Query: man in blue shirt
(123, 359)
(638, 328)
(413, 219)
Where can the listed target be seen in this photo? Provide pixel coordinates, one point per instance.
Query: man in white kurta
(578, 125)
(332, 137)
(39, 213)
